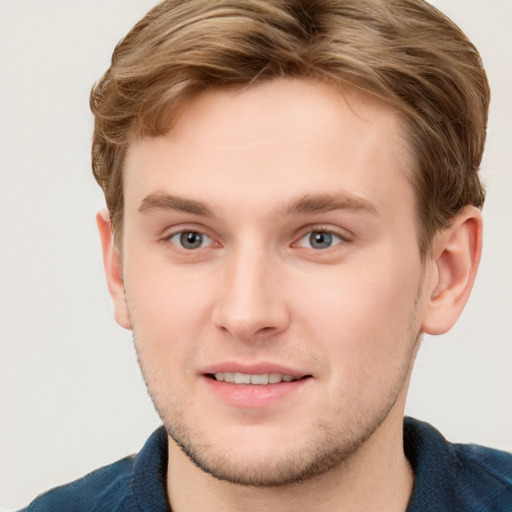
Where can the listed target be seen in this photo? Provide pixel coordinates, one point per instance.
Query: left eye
(190, 240)
(320, 240)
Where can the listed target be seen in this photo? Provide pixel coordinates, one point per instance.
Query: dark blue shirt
(448, 477)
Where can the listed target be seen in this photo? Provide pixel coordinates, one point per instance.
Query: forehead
(276, 139)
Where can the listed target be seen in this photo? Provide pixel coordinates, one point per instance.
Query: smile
(257, 379)
(255, 388)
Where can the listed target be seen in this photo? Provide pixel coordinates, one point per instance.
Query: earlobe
(113, 269)
(456, 255)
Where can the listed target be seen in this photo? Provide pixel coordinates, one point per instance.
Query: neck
(377, 477)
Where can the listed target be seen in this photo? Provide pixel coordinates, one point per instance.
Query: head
(292, 189)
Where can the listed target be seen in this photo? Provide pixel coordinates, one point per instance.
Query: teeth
(259, 380)
(242, 378)
(274, 378)
(229, 377)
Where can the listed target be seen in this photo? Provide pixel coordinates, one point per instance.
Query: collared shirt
(448, 478)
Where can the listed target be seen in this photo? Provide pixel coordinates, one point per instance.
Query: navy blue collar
(448, 477)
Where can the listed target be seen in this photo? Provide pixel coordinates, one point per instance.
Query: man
(293, 200)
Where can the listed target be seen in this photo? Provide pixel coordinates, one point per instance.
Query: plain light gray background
(71, 395)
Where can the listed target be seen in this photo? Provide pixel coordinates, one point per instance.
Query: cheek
(167, 306)
(363, 316)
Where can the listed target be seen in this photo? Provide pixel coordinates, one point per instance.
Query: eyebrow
(159, 201)
(321, 203)
(311, 203)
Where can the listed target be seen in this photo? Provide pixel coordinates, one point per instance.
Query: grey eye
(320, 240)
(190, 240)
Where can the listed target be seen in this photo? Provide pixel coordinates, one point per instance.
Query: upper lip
(253, 369)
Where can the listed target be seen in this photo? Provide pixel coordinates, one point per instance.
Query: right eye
(190, 240)
(320, 239)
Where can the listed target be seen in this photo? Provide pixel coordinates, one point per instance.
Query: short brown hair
(403, 51)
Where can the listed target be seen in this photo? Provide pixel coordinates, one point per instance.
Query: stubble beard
(324, 453)
(327, 449)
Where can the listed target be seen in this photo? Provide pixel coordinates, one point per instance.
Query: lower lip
(254, 396)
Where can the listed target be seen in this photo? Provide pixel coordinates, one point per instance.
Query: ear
(456, 254)
(113, 269)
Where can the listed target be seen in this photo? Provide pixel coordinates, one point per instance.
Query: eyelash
(343, 237)
(188, 251)
(321, 237)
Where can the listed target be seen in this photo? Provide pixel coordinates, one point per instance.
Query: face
(272, 276)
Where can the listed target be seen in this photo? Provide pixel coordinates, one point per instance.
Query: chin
(260, 458)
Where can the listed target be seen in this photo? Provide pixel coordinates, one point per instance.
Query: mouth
(255, 386)
(257, 379)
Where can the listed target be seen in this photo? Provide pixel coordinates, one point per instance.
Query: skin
(255, 173)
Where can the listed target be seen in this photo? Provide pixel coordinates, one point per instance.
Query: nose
(251, 304)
